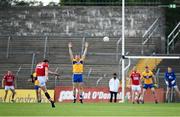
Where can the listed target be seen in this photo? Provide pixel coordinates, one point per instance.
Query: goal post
(138, 57)
(152, 57)
(123, 51)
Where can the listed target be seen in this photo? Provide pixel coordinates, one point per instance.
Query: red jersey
(40, 69)
(9, 80)
(135, 77)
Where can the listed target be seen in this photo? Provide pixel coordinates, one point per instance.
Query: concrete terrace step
(21, 49)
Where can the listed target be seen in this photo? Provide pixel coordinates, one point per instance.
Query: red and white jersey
(40, 69)
(135, 78)
(9, 80)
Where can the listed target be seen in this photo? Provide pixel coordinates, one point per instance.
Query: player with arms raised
(78, 65)
(149, 82)
(135, 85)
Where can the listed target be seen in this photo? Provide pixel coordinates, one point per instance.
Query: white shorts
(42, 80)
(136, 88)
(9, 88)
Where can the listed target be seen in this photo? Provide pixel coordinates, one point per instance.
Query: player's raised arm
(85, 50)
(70, 51)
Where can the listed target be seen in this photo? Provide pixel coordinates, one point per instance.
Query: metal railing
(110, 2)
(99, 79)
(17, 73)
(33, 62)
(172, 37)
(56, 77)
(89, 72)
(45, 46)
(149, 32)
(8, 46)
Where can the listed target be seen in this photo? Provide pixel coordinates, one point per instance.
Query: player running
(78, 65)
(148, 77)
(8, 82)
(170, 80)
(42, 71)
(135, 85)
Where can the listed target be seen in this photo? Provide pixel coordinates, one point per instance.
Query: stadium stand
(79, 21)
(28, 29)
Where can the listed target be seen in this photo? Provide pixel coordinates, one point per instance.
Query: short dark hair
(114, 74)
(45, 60)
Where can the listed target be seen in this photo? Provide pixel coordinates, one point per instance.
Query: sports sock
(47, 95)
(81, 97)
(74, 96)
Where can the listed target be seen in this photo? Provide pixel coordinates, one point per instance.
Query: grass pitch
(89, 109)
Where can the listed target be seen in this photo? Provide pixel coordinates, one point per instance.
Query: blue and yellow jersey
(36, 82)
(148, 77)
(77, 66)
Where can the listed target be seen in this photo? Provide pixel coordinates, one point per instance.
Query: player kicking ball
(8, 82)
(135, 78)
(42, 71)
(148, 78)
(77, 77)
(170, 80)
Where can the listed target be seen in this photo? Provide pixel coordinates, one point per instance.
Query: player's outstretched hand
(86, 44)
(70, 45)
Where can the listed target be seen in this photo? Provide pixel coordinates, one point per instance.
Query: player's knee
(44, 90)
